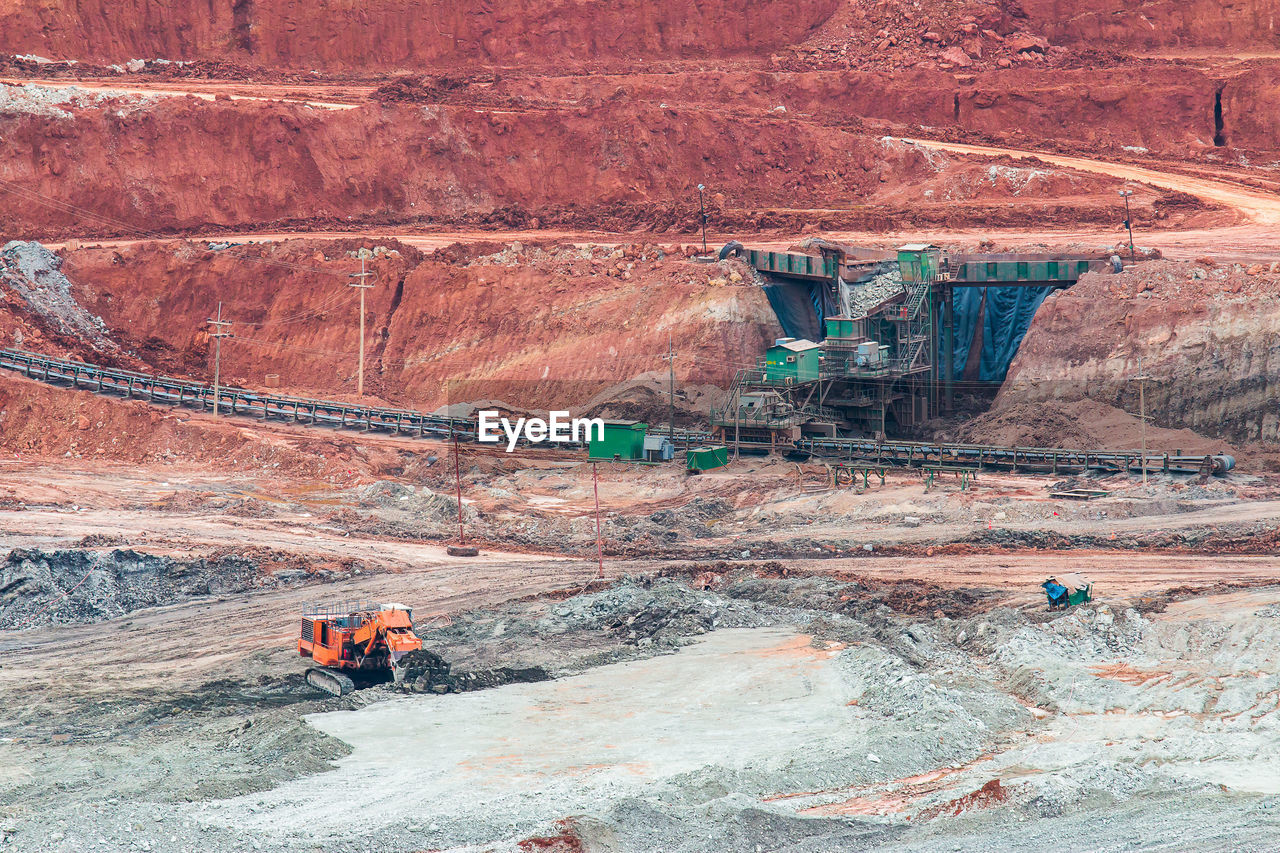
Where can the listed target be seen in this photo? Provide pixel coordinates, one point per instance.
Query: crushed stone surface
(35, 274)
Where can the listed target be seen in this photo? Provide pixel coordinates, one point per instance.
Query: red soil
(542, 331)
(40, 421)
(401, 34)
(619, 164)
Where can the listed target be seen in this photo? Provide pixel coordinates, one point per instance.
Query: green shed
(701, 459)
(622, 441)
(790, 361)
(919, 261)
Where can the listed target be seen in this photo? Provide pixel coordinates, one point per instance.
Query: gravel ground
(707, 710)
(35, 274)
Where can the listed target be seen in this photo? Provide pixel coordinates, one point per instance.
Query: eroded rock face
(1209, 338)
(616, 166)
(538, 326)
(391, 34)
(1118, 23)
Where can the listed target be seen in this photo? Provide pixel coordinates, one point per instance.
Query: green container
(918, 262)
(840, 327)
(1080, 596)
(623, 441)
(706, 458)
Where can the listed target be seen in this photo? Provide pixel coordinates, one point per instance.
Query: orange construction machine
(355, 644)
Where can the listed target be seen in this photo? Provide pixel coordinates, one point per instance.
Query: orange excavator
(356, 644)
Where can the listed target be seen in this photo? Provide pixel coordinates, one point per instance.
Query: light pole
(1128, 223)
(703, 207)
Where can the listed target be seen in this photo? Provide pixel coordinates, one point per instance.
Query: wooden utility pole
(702, 206)
(457, 473)
(671, 388)
(362, 285)
(218, 330)
(1141, 379)
(1128, 223)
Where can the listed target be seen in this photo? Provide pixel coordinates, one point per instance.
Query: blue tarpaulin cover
(1005, 320)
(1054, 590)
(801, 308)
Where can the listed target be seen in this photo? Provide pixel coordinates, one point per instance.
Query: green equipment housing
(789, 361)
(623, 441)
(701, 459)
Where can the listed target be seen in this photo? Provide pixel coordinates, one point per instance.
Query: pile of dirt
(427, 672)
(33, 274)
(57, 587)
(422, 88)
(418, 501)
(1079, 425)
(1033, 425)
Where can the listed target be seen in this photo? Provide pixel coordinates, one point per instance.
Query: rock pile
(427, 672)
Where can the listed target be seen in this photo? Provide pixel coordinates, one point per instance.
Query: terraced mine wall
(1208, 336)
(391, 34)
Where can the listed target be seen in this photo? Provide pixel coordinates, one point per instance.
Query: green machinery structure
(790, 361)
(623, 441)
(880, 372)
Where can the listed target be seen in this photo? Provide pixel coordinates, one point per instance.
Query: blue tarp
(1005, 319)
(801, 308)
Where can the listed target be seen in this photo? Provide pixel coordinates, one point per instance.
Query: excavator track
(330, 681)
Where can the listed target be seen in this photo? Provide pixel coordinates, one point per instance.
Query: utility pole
(217, 331)
(457, 473)
(1128, 223)
(671, 389)
(362, 285)
(595, 484)
(703, 207)
(1141, 379)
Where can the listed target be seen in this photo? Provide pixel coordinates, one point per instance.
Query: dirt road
(1259, 207)
(342, 97)
(208, 638)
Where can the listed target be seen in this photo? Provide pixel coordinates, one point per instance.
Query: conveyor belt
(329, 413)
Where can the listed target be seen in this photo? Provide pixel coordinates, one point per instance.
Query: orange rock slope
(395, 34)
(128, 168)
(541, 326)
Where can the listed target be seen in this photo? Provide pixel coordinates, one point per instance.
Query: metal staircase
(916, 328)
